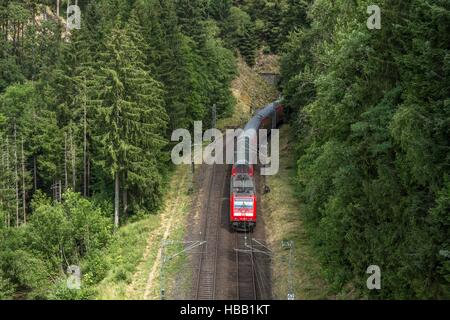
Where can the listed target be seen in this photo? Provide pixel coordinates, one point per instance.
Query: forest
(372, 112)
(86, 117)
(85, 122)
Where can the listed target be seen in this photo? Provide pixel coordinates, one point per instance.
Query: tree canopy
(372, 114)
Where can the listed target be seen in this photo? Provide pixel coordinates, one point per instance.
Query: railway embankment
(294, 268)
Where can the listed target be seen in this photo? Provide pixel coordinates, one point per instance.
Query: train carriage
(243, 202)
(243, 192)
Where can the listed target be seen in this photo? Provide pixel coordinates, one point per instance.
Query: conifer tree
(239, 33)
(192, 15)
(132, 111)
(172, 57)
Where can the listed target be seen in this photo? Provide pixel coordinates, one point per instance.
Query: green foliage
(60, 291)
(21, 104)
(220, 9)
(373, 116)
(239, 32)
(93, 106)
(76, 228)
(189, 59)
(57, 235)
(9, 70)
(273, 20)
(6, 289)
(192, 15)
(131, 107)
(15, 259)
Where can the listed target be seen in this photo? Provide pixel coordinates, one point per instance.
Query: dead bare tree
(34, 155)
(85, 168)
(125, 196)
(24, 204)
(65, 162)
(3, 185)
(8, 181)
(74, 163)
(16, 177)
(116, 199)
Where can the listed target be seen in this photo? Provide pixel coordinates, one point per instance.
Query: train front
(242, 203)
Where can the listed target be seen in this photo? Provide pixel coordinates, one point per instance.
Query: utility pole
(161, 271)
(290, 246)
(188, 246)
(35, 173)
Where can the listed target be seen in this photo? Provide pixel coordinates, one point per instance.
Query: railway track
(207, 270)
(228, 267)
(245, 268)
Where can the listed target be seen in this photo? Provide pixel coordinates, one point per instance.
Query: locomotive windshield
(243, 184)
(241, 168)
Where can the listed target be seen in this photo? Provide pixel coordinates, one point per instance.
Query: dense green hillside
(86, 118)
(372, 113)
(92, 111)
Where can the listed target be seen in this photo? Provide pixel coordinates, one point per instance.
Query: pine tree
(192, 15)
(220, 9)
(239, 33)
(218, 67)
(173, 58)
(131, 108)
(73, 81)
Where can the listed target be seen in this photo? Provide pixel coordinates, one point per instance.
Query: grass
(135, 251)
(123, 255)
(284, 222)
(177, 280)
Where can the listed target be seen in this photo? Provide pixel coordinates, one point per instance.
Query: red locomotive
(243, 202)
(242, 168)
(243, 192)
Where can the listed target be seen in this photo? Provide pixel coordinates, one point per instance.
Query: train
(243, 195)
